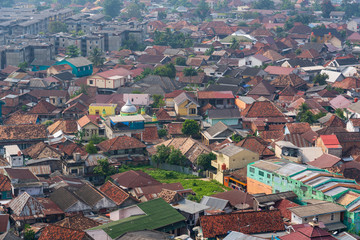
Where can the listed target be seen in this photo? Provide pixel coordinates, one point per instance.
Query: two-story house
(231, 158)
(89, 126)
(23, 180)
(14, 156)
(185, 105)
(111, 79)
(218, 99)
(81, 66)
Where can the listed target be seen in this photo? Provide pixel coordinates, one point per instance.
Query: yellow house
(103, 109)
(230, 159)
(88, 126)
(185, 106)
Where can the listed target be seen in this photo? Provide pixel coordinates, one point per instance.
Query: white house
(333, 76)
(256, 60)
(14, 155)
(353, 125)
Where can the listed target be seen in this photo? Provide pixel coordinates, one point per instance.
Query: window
(332, 217)
(261, 173)
(192, 111)
(97, 112)
(61, 101)
(268, 176)
(53, 100)
(74, 171)
(252, 170)
(305, 219)
(126, 151)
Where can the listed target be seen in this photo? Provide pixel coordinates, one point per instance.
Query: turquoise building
(230, 117)
(40, 65)
(81, 66)
(273, 176)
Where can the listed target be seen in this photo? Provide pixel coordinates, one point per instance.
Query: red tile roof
(121, 142)
(150, 134)
(215, 94)
(174, 128)
(174, 94)
(60, 233)
(246, 222)
(330, 141)
(114, 192)
(163, 115)
(261, 109)
(325, 161)
(283, 206)
(4, 221)
(5, 184)
(43, 107)
(132, 179)
(298, 128)
(276, 70)
(114, 72)
(257, 145)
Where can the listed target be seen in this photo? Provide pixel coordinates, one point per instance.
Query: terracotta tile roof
(174, 128)
(23, 132)
(289, 90)
(21, 118)
(276, 70)
(271, 135)
(355, 122)
(73, 148)
(42, 107)
(50, 208)
(36, 150)
(247, 222)
(5, 184)
(115, 193)
(330, 141)
(298, 128)
(257, 145)
(86, 120)
(21, 174)
(261, 109)
(348, 83)
(114, 72)
(263, 88)
(335, 121)
(174, 93)
(308, 54)
(121, 142)
(170, 196)
(132, 179)
(325, 161)
(60, 233)
(163, 115)
(216, 28)
(66, 126)
(150, 134)
(272, 55)
(215, 94)
(285, 80)
(4, 222)
(283, 206)
(77, 222)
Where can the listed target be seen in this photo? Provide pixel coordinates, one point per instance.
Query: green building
(80, 66)
(273, 176)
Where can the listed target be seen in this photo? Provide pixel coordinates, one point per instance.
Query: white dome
(128, 108)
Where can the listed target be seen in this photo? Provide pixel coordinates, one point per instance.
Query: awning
(335, 226)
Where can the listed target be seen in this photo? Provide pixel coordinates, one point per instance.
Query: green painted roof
(229, 38)
(158, 214)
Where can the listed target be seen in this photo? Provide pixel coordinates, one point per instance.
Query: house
(230, 117)
(152, 215)
(22, 135)
(326, 161)
(307, 232)
(339, 64)
(14, 156)
(169, 97)
(327, 212)
(256, 60)
(68, 127)
(59, 233)
(77, 222)
(337, 15)
(353, 125)
(275, 71)
(119, 196)
(329, 144)
(44, 111)
(219, 99)
(68, 201)
(57, 98)
(281, 82)
(230, 159)
(186, 106)
(23, 180)
(217, 132)
(111, 79)
(243, 102)
(18, 117)
(129, 124)
(5, 189)
(239, 200)
(89, 126)
(102, 109)
(132, 179)
(127, 150)
(218, 226)
(257, 145)
(216, 205)
(262, 89)
(81, 66)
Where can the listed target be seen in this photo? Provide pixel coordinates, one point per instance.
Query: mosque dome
(128, 108)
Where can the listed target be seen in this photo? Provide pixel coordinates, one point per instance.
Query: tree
(209, 51)
(340, 113)
(134, 10)
(263, 4)
(190, 127)
(180, 61)
(158, 101)
(79, 135)
(327, 8)
(162, 133)
(23, 66)
(72, 51)
(131, 43)
(162, 15)
(287, 4)
(146, 72)
(29, 234)
(190, 72)
(112, 8)
(320, 79)
(234, 44)
(176, 158)
(298, 51)
(56, 27)
(96, 139)
(90, 148)
(48, 123)
(236, 138)
(96, 57)
(305, 115)
(104, 169)
(167, 70)
(203, 10)
(162, 154)
(174, 39)
(204, 160)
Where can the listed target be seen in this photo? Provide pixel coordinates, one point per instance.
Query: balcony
(214, 164)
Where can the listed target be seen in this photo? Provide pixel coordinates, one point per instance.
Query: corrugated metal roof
(214, 203)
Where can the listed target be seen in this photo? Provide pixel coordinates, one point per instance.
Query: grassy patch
(200, 187)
